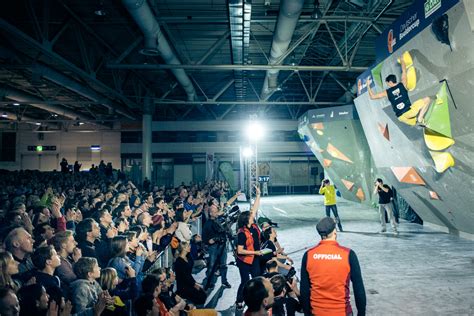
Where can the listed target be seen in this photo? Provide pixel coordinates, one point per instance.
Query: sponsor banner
(362, 81)
(338, 113)
(415, 19)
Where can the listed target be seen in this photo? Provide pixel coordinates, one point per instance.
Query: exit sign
(40, 148)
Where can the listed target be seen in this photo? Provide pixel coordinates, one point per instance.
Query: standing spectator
(146, 185)
(248, 247)
(188, 288)
(77, 167)
(64, 166)
(385, 204)
(326, 272)
(329, 192)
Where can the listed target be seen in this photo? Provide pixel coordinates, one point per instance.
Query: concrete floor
(419, 272)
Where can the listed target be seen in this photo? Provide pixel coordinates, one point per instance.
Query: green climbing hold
(377, 74)
(437, 118)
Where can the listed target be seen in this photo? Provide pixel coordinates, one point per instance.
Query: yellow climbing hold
(436, 141)
(411, 72)
(442, 161)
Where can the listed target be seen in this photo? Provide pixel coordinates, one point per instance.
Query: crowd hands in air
(87, 243)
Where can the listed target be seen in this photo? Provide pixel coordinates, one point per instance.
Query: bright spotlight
(247, 152)
(255, 131)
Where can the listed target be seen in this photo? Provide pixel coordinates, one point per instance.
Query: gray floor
(419, 272)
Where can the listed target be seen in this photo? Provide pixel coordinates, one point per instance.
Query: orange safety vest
(248, 259)
(329, 276)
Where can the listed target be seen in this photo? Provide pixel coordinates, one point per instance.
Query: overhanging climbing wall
(432, 167)
(336, 138)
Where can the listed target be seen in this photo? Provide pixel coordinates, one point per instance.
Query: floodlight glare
(247, 152)
(255, 131)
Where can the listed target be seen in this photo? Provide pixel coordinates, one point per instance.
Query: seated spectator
(8, 267)
(258, 296)
(286, 295)
(87, 232)
(9, 304)
(20, 244)
(120, 261)
(149, 300)
(46, 260)
(65, 246)
(173, 302)
(187, 286)
(271, 268)
(123, 291)
(86, 294)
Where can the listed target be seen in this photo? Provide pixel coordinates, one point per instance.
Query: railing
(165, 258)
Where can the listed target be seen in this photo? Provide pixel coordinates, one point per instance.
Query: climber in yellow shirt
(329, 192)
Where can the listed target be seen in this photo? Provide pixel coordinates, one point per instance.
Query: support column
(146, 138)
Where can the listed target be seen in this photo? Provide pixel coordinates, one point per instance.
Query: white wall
(66, 146)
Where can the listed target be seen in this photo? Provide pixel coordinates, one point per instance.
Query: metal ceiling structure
(98, 60)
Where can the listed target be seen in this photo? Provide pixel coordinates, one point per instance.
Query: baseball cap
(325, 226)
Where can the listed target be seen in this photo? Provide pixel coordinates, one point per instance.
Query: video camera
(230, 216)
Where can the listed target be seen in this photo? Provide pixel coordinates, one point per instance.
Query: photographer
(286, 293)
(214, 236)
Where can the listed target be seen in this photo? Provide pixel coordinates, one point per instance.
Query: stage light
(247, 152)
(317, 14)
(4, 114)
(100, 9)
(39, 148)
(255, 131)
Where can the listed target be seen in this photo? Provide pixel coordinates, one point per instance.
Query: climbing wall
(432, 168)
(336, 138)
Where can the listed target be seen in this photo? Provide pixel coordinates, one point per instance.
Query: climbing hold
(436, 141)
(383, 128)
(437, 118)
(434, 195)
(348, 184)
(336, 153)
(411, 73)
(327, 163)
(442, 161)
(407, 175)
(360, 194)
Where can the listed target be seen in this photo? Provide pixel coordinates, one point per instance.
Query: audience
(85, 221)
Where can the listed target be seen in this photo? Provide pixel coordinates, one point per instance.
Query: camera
(289, 279)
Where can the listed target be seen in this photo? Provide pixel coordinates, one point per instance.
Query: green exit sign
(39, 148)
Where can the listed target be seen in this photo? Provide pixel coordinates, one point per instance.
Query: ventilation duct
(146, 21)
(290, 11)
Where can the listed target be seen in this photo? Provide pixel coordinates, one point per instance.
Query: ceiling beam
(7, 27)
(235, 67)
(266, 19)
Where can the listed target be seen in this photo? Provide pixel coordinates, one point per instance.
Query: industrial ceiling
(66, 62)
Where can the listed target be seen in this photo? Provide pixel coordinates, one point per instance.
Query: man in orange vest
(326, 272)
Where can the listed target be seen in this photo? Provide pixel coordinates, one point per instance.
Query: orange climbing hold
(348, 184)
(383, 128)
(317, 125)
(408, 175)
(434, 195)
(327, 163)
(360, 194)
(336, 153)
